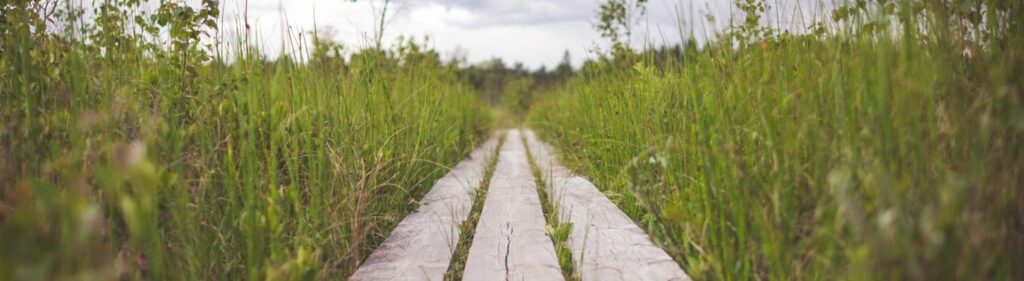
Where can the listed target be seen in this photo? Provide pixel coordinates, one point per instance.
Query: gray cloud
(535, 32)
(522, 12)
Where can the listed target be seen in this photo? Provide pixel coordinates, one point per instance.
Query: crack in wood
(508, 248)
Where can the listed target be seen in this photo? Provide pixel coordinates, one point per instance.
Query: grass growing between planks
(128, 157)
(468, 228)
(886, 144)
(558, 232)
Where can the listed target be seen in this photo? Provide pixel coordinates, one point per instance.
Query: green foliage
(518, 96)
(326, 53)
(615, 20)
(511, 88)
(883, 145)
(127, 157)
(559, 233)
(751, 26)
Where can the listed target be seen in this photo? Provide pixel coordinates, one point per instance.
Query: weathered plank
(421, 246)
(510, 241)
(605, 243)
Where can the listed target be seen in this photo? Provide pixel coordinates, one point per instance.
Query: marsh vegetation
(881, 142)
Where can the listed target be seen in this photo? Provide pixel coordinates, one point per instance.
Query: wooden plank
(510, 241)
(421, 246)
(605, 243)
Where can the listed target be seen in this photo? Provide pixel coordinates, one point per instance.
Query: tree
(615, 19)
(326, 52)
(564, 68)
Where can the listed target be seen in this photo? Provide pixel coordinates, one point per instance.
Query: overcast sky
(534, 32)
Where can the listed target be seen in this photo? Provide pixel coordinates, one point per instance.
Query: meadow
(127, 155)
(883, 144)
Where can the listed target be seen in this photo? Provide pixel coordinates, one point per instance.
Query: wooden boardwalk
(421, 246)
(605, 243)
(510, 241)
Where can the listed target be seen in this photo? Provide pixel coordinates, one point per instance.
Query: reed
(883, 144)
(131, 147)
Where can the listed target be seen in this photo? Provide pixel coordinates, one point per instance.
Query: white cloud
(535, 32)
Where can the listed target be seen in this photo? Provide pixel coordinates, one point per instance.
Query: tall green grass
(885, 144)
(125, 155)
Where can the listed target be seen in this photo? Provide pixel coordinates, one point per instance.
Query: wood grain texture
(605, 243)
(421, 246)
(510, 241)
